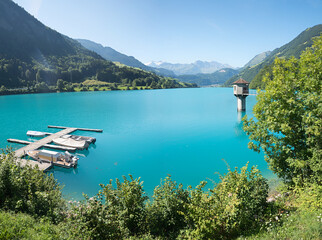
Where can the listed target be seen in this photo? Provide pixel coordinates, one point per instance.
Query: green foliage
(307, 198)
(234, 206)
(60, 85)
(166, 211)
(257, 82)
(295, 225)
(114, 212)
(23, 226)
(289, 118)
(28, 190)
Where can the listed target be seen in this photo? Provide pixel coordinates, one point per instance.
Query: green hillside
(218, 77)
(293, 48)
(257, 59)
(34, 57)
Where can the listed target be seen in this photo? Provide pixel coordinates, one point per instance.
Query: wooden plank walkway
(42, 166)
(35, 145)
(82, 129)
(70, 149)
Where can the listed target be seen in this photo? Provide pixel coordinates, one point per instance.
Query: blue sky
(181, 31)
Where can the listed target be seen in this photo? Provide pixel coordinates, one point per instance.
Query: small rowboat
(36, 134)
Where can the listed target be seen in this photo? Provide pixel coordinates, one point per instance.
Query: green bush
(29, 190)
(234, 206)
(166, 211)
(113, 213)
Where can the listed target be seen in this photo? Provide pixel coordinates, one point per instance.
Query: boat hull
(68, 142)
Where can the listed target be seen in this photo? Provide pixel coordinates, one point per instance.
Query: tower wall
(241, 103)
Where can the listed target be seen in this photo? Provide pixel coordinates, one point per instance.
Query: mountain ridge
(190, 68)
(208, 79)
(111, 54)
(293, 48)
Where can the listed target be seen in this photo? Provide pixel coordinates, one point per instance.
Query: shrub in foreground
(233, 207)
(29, 190)
(167, 208)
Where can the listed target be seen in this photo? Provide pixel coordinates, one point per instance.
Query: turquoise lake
(187, 133)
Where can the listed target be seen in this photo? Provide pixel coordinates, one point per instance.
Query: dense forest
(34, 57)
(242, 205)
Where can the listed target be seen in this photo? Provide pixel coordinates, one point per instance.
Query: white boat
(65, 160)
(81, 138)
(69, 142)
(36, 134)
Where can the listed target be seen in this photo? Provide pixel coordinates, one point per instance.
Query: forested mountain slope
(293, 48)
(32, 54)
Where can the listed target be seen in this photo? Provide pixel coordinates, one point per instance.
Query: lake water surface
(187, 133)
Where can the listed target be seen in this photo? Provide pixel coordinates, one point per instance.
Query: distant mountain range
(254, 73)
(207, 73)
(216, 78)
(110, 54)
(191, 68)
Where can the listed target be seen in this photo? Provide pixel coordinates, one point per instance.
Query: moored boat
(69, 142)
(81, 138)
(36, 134)
(65, 160)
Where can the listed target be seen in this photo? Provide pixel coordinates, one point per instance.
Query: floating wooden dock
(57, 147)
(21, 152)
(38, 144)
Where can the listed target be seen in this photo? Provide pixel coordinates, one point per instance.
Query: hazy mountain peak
(257, 59)
(189, 68)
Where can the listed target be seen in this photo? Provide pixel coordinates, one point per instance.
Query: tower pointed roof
(241, 81)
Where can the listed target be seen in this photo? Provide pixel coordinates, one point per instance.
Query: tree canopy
(288, 114)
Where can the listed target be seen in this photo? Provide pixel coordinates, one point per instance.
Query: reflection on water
(64, 170)
(239, 125)
(240, 116)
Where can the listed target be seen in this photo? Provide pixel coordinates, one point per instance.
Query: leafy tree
(60, 85)
(38, 76)
(166, 211)
(41, 87)
(289, 117)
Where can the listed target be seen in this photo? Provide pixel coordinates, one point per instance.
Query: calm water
(182, 132)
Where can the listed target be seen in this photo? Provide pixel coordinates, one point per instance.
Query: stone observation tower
(241, 91)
